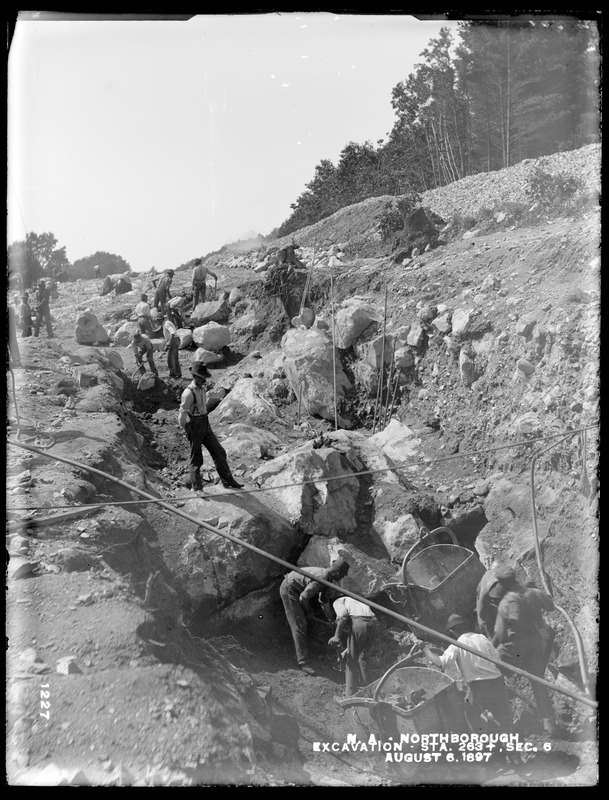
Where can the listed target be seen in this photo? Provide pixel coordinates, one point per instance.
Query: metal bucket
(379, 710)
(437, 580)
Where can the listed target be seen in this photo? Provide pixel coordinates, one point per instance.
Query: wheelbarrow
(438, 578)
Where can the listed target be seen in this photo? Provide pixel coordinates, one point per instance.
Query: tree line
(39, 256)
(504, 92)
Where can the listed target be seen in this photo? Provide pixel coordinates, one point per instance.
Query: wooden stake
(379, 388)
(333, 352)
(398, 372)
(389, 377)
(299, 399)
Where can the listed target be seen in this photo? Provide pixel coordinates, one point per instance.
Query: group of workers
(165, 313)
(33, 316)
(511, 629)
(192, 415)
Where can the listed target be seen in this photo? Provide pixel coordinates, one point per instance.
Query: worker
(42, 308)
(97, 271)
(486, 690)
(519, 641)
(287, 256)
(539, 602)
(173, 309)
(14, 356)
(356, 626)
(199, 286)
(172, 346)
(296, 592)
(142, 348)
(162, 294)
(488, 594)
(142, 312)
(193, 419)
(24, 316)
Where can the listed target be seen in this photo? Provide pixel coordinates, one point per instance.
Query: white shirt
(471, 667)
(142, 309)
(348, 607)
(169, 330)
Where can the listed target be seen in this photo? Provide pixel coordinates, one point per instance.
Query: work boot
(306, 668)
(232, 484)
(196, 480)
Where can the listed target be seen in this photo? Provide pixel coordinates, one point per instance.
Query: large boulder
(367, 575)
(245, 403)
(213, 311)
(117, 283)
(211, 336)
(114, 358)
(89, 330)
(219, 572)
(372, 352)
(124, 335)
(247, 442)
(207, 356)
(398, 442)
(325, 507)
(185, 337)
(309, 368)
(251, 323)
(394, 524)
(351, 320)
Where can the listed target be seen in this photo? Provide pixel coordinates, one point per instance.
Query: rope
(292, 567)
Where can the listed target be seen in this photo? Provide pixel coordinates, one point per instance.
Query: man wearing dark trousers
(43, 311)
(296, 593)
(193, 419)
(356, 626)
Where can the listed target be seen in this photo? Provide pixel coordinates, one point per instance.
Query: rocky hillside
(163, 644)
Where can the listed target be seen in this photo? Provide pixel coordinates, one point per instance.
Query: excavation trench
(257, 644)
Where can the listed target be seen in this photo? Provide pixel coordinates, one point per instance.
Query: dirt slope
(156, 702)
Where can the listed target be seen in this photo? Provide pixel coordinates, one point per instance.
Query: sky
(162, 140)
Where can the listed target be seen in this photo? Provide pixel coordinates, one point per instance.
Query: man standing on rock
(142, 348)
(356, 625)
(199, 287)
(296, 592)
(193, 419)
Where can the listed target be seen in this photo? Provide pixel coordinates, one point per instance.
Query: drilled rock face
(309, 368)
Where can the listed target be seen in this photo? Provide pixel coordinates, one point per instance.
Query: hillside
(180, 666)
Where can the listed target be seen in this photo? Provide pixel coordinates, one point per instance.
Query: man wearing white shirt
(485, 684)
(355, 623)
(172, 345)
(142, 312)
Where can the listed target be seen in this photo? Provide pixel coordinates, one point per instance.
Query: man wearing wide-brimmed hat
(193, 418)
